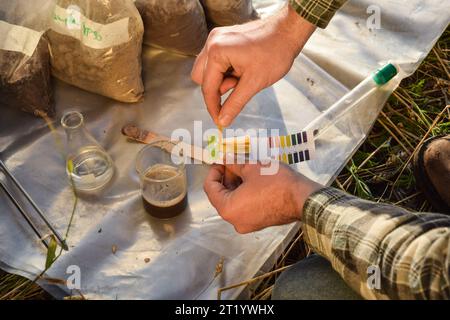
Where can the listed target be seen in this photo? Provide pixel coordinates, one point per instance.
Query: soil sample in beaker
(164, 191)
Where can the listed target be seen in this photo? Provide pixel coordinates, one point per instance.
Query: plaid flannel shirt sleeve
(410, 251)
(317, 12)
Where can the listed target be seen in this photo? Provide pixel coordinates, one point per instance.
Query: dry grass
(379, 171)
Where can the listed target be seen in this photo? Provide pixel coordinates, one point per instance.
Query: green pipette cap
(385, 74)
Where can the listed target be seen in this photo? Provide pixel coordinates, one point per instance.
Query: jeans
(312, 278)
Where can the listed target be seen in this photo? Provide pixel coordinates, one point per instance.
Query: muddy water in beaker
(164, 191)
(163, 180)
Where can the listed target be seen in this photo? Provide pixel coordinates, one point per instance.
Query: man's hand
(248, 58)
(251, 201)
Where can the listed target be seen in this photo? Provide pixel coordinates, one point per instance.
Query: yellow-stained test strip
(220, 128)
(237, 144)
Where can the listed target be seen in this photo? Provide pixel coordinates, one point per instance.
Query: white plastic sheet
(184, 252)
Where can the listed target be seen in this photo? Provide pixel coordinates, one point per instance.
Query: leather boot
(432, 172)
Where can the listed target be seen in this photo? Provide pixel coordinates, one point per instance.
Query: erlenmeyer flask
(88, 164)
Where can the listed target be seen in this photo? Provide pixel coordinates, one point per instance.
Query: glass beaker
(88, 164)
(162, 173)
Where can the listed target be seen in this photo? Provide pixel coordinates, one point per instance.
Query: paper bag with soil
(228, 12)
(96, 45)
(25, 81)
(175, 25)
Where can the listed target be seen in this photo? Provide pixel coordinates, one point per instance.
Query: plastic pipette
(373, 82)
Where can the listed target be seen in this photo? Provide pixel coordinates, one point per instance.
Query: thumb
(228, 84)
(235, 169)
(244, 171)
(234, 104)
(215, 190)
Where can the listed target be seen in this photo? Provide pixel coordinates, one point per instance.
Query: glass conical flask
(88, 164)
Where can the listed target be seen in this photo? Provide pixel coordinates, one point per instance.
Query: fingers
(199, 66)
(215, 190)
(216, 75)
(230, 180)
(235, 169)
(241, 95)
(243, 171)
(228, 84)
(213, 77)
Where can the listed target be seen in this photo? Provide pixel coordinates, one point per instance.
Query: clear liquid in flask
(92, 169)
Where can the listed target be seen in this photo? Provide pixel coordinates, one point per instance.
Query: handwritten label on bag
(18, 39)
(72, 23)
